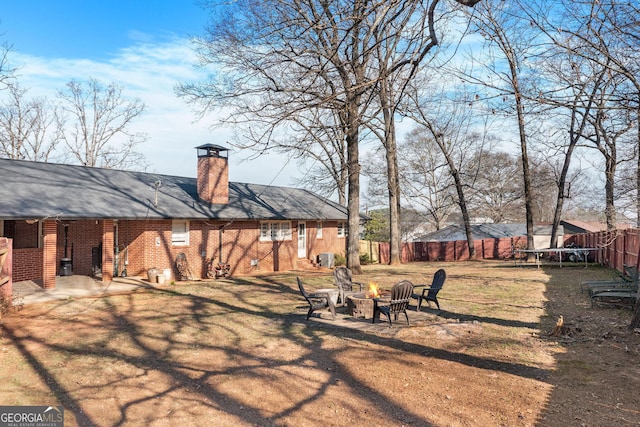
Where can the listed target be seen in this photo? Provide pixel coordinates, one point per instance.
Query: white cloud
(151, 72)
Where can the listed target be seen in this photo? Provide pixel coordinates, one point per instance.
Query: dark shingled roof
(485, 231)
(35, 190)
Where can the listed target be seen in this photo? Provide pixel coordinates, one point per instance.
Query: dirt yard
(240, 352)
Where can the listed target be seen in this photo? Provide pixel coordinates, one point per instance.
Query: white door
(302, 240)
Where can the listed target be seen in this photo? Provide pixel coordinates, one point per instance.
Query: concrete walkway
(29, 292)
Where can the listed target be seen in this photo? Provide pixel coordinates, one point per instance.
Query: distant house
(580, 227)
(542, 233)
(66, 219)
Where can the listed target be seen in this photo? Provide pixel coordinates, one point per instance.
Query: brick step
(306, 264)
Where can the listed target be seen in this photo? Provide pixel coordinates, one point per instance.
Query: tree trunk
(353, 197)
(526, 174)
(395, 240)
(465, 215)
(638, 169)
(574, 136)
(610, 209)
(393, 181)
(557, 215)
(460, 191)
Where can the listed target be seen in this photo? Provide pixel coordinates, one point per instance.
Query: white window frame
(319, 230)
(180, 237)
(275, 231)
(342, 229)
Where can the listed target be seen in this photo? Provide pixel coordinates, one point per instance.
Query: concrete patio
(75, 286)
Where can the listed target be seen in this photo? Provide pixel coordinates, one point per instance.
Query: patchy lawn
(240, 352)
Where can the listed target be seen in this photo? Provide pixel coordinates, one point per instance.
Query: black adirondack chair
(430, 293)
(400, 297)
(317, 301)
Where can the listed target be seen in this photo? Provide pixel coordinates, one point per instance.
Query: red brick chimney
(213, 174)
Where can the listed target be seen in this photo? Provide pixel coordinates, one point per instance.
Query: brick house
(66, 219)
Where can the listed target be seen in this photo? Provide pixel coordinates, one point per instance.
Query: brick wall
(82, 236)
(148, 244)
(27, 264)
(329, 242)
(24, 235)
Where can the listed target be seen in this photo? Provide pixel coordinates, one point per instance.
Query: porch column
(6, 268)
(49, 253)
(107, 250)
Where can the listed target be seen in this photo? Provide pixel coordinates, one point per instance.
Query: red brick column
(107, 250)
(6, 270)
(49, 257)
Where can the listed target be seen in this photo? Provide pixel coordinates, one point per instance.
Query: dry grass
(239, 352)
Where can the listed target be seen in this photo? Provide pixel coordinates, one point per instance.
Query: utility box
(326, 259)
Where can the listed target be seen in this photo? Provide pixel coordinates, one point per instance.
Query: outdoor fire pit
(361, 305)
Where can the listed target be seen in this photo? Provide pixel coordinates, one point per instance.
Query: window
(342, 229)
(280, 230)
(319, 230)
(180, 233)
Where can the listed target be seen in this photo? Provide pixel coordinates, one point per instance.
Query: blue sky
(95, 29)
(142, 46)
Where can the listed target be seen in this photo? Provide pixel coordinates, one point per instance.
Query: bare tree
(320, 140)
(609, 126)
(6, 70)
(403, 39)
(580, 108)
(496, 195)
(427, 185)
(585, 49)
(274, 59)
(449, 123)
(95, 123)
(607, 33)
(27, 126)
(504, 74)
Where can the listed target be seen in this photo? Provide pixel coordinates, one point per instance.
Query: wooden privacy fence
(370, 249)
(457, 250)
(619, 248)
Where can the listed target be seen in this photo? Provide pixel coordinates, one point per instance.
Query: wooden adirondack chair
(317, 301)
(344, 281)
(400, 297)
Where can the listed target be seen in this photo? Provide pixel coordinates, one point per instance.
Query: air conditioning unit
(326, 259)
